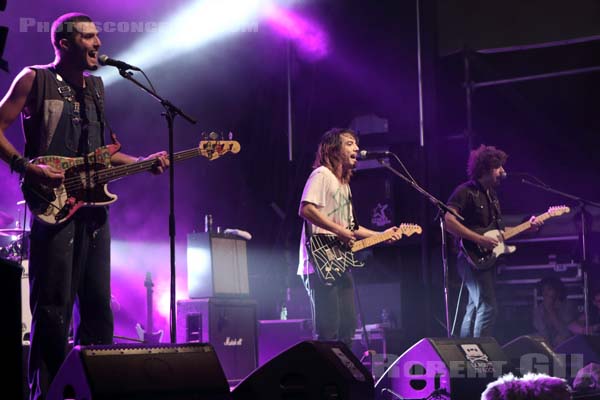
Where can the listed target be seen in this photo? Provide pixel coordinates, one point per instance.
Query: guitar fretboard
(111, 174)
(525, 225)
(371, 241)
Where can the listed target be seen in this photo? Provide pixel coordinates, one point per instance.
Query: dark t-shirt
(478, 207)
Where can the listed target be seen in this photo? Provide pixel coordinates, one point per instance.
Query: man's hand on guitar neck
(162, 160)
(536, 224)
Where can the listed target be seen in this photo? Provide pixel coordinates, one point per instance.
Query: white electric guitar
(482, 259)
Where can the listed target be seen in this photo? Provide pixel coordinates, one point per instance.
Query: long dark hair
(329, 152)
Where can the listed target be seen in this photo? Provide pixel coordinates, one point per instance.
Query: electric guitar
(86, 179)
(147, 335)
(331, 257)
(482, 259)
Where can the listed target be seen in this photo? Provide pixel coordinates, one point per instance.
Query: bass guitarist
(62, 110)
(326, 207)
(476, 201)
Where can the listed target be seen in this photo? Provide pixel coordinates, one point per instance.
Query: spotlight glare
(190, 28)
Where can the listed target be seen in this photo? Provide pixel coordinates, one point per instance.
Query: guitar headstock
(148, 281)
(213, 149)
(558, 210)
(410, 229)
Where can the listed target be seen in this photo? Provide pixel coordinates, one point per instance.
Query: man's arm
(162, 158)
(363, 232)
(311, 213)
(12, 104)
(454, 226)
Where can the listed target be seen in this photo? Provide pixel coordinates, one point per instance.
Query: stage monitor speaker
(228, 324)
(216, 266)
(445, 367)
(579, 351)
(275, 336)
(157, 372)
(10, 333)
(309, 370)
(532, 353)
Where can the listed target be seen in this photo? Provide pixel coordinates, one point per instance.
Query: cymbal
(12, 231)
(5, 219)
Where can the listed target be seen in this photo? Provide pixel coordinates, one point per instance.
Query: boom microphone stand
(443, 209)
(171, 111)
(582, 204)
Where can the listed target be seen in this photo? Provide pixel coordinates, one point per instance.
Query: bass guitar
(482, 259)
(86, 179)
(331, 257)
(148, 335)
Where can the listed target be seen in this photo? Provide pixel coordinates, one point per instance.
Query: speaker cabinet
(448, 368)
(216, 266)
(10, 334)
(157, 372)
(228, 324)
(309, 370)
(532, 353)
(275, 336)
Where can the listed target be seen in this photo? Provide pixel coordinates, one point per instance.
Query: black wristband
(18, 164)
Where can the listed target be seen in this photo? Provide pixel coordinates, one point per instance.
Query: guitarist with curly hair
(476, 201)
(326, 207)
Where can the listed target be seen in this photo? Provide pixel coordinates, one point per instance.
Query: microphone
(503, 175)
(366, 155)
(106, 60)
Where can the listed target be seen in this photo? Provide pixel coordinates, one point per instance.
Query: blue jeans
(480, 314)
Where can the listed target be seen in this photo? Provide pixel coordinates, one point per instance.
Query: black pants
(69, 265)
(334, 312)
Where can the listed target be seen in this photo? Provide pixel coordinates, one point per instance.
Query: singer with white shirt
(326, 207)
(477, 202)
(62, 109)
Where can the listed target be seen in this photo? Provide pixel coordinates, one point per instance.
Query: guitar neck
(114, 173)
(371, 241)
(524, 226)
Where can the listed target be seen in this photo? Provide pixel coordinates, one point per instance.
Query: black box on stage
(309, 370)
(275, 336)
(10, 334)
(462, 368)
(228, 324)
(216, 266)
(153, 372)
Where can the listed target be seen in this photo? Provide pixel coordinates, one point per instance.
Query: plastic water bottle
(283, 315)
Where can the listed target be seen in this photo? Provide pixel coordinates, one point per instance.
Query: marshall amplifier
(228, 324)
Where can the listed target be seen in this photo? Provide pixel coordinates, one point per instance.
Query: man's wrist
(18, 164)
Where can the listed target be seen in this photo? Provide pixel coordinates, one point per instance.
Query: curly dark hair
(484, 159)
(328, 152)
(64, 27)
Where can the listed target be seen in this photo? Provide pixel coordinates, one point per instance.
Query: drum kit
(14, 246)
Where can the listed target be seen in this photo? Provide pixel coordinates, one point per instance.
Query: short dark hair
(556, 284)
(484, 159)
(64, 27)
(328, 152)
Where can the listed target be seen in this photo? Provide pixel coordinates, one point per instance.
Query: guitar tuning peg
(230, 135)
(213, 136)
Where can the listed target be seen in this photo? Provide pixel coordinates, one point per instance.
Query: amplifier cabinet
(229, 325)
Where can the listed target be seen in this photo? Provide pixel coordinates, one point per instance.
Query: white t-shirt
(332, 198)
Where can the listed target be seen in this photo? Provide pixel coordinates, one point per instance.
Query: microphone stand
(443, 209)
(171, 111)
(582, 203)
